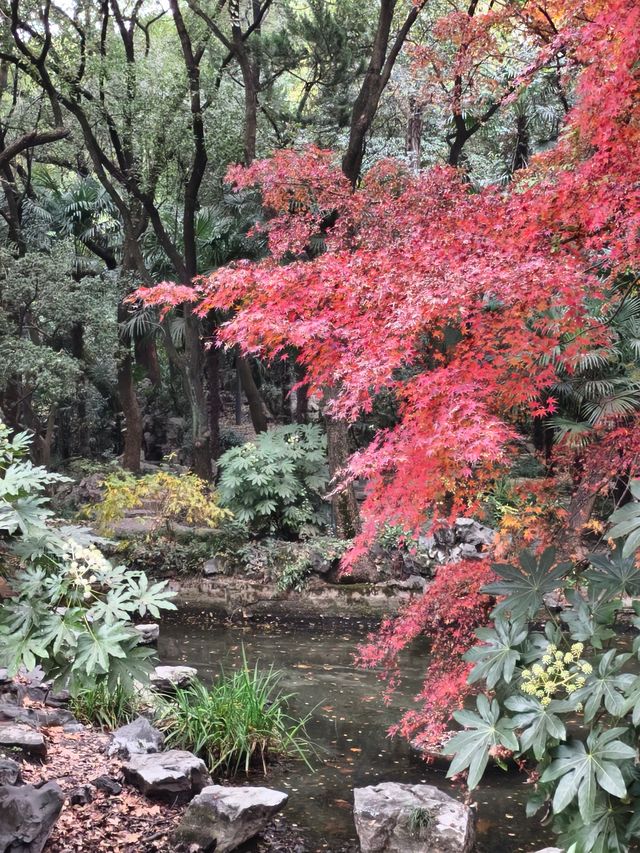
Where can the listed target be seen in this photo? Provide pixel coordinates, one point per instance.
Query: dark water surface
(348, 726)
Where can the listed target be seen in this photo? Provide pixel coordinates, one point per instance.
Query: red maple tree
(482, 295)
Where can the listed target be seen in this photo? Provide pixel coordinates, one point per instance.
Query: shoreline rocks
(136, 738)
(398, 818)
(176, 774)
(224, 818)
(28, 813)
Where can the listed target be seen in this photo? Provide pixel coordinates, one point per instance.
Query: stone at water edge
(398, 818)
(149, 633)
(9, 772)
(136, 738)
(222, 818)
(27, 816)
(167, 678)
(107, 784)
(23, 737)
(175, 774)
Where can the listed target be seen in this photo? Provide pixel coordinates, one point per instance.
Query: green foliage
(240, 722)
(105, 706)
(71, 609)
(275, 483)
(419, 819)
(626, 521)
(541, 682)
(164, 556)
(168, 497)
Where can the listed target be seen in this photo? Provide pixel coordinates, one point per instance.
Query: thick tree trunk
(254, 398)
(346, 516)
(212, 357)
(147, 357)
(198, 403)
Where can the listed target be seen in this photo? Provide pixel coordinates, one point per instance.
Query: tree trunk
(346, 515)
(212, 357)
(198, 403)
(147, 357)
(129, 404)
(413, 143)
(254, 398)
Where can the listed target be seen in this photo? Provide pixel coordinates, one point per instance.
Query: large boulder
(136, 738)
(175, 774)
(35, 716)
(21, 736)
(223, 818)
(165, 679)
(398, 818)
(27, 816)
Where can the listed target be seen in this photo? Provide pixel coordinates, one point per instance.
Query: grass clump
(420, 819)
(239, 723)
(100, 705)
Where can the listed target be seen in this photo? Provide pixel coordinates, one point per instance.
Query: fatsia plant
(560, 695)
(71, 609)
(275, 483)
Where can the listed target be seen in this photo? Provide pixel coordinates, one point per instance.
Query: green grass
(100, 706)
(239, 723)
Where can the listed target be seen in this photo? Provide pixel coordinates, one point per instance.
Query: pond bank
(348, 724)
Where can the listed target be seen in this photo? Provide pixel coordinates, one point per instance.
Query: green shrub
(104, 706)
(538, 683)
(71, 611)
(275, 484)
(240, 722)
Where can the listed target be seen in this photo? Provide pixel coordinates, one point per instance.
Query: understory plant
(239, 723)
(106, 706)
(71, 609)
(559, 694)
(168, 497)
(276, 483)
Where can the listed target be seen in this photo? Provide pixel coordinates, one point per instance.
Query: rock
(72, 728)
(27, 816)
(107, 784)
(398, 818)
(166, 678)
(136, 738)
(550, 850)
(223, 818)
(35, 716)
(58, 699)
(214, 566)
(175, 774)
(23, 737)
(148, 633)
(81, 796)
(9, 772)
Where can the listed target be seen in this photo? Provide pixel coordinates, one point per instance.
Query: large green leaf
(607, 685)
(614, 573)
(482, 731)
(583, 768)
(538, 723)
(496, 659)
(590, 619)
(525, 586)
(626, 522)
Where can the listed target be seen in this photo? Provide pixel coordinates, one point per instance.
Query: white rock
(175, 774)
(397, 818)
(148, 633)
(136, 738)
(167, 678)
(223, 818)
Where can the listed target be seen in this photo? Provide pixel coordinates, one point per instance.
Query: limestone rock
(35, 716)
(167, 678)
(223, 818)
(27, 816)
(9, 772)
(136, 738)
(167, 775)
(23, 737)
(214, 566)
(398, 818)
(148, 633)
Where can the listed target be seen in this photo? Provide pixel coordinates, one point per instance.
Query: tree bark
(254, 398)
(344, 505)
(129, 404)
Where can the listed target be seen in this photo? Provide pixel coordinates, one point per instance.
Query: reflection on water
(348, 726)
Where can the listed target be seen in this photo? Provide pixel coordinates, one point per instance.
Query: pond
(348, 726)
